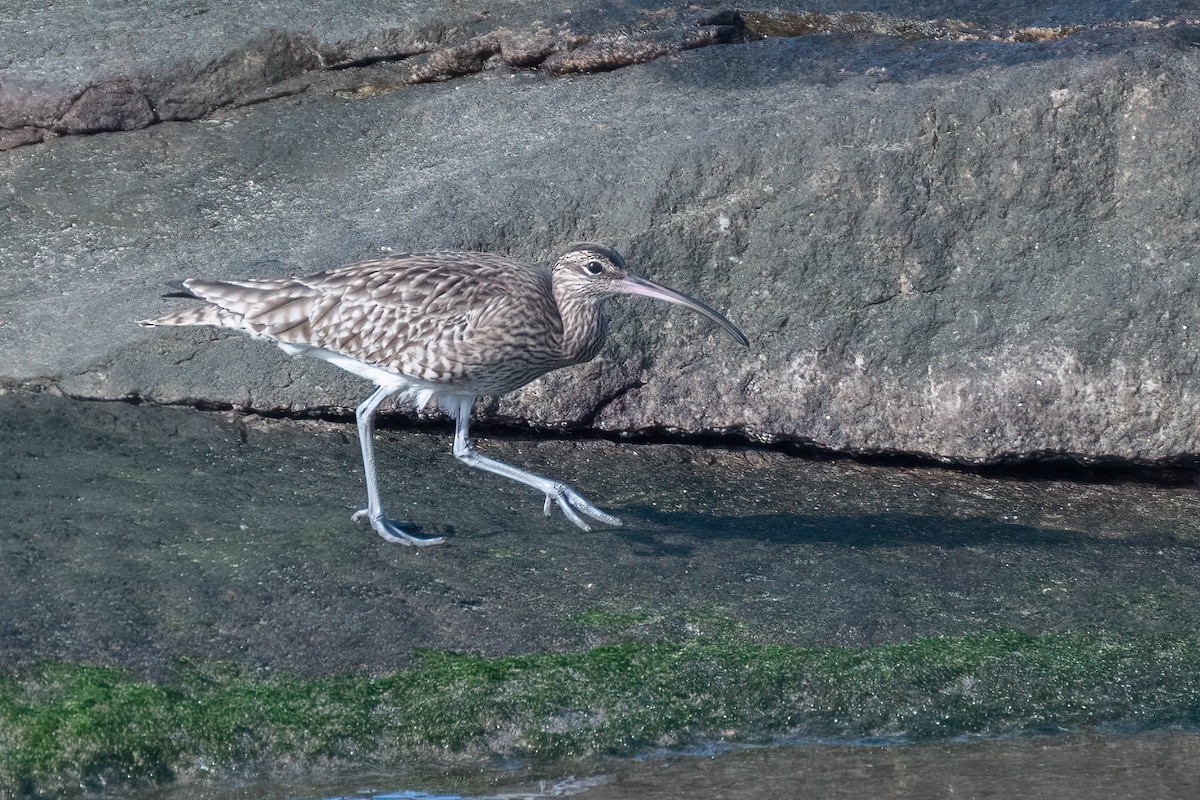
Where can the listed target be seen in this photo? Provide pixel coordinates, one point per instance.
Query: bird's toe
(393, 531)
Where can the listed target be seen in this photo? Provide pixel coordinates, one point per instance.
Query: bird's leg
(388, 529)
(557, 492)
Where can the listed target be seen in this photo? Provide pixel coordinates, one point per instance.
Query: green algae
(610, 621)
(68, 726)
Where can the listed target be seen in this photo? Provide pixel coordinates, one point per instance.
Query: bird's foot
(571, 502)
(391, 531)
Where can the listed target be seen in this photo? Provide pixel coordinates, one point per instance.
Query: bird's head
(596, 271)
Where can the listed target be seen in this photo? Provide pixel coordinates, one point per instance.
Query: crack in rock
(783, 24)
(607, 401)
(558, 53)
(268, 66)
(113, 106)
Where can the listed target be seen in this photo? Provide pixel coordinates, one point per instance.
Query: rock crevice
(282, 62)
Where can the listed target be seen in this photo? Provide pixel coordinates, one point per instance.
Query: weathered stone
(187, 62)
(194, 89)
(140, 535)
(613, 52)
(21, 136)
(109, 107)
(972, 247)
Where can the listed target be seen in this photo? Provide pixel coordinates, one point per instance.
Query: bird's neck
(584, 326)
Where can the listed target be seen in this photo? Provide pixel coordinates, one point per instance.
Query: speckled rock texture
(973, 239)
(135, 535)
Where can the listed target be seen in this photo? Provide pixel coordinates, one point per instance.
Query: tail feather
(260, 308)
(200, 315)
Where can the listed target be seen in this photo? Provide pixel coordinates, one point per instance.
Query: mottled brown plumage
(446, 325)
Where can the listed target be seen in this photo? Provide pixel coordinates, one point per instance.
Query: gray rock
(140, 535)
(87, 69)
(971, 240)
(180, 62)
(116, 106)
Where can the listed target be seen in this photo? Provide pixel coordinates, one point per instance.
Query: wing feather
(445, 317)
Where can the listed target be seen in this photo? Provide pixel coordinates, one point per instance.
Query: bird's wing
(441, 317)
(445, 317)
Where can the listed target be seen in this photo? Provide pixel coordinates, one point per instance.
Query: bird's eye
(593, 267)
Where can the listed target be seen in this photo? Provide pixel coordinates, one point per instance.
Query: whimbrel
(445, 326)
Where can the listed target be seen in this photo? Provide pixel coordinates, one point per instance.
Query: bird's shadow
(679, 534)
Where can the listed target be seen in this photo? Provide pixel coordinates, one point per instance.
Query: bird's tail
(215, 316)
(255, 307)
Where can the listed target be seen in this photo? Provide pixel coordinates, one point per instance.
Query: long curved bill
(640, 286)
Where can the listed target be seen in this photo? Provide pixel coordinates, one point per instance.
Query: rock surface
(135, 536)
(974, 239)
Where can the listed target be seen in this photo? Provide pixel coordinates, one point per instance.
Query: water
(1100, 768)
(1115, 767)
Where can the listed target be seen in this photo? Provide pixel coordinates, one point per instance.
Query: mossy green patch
(609, 621)
(65, 726)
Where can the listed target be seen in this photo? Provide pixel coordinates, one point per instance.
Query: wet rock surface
(139, 535)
